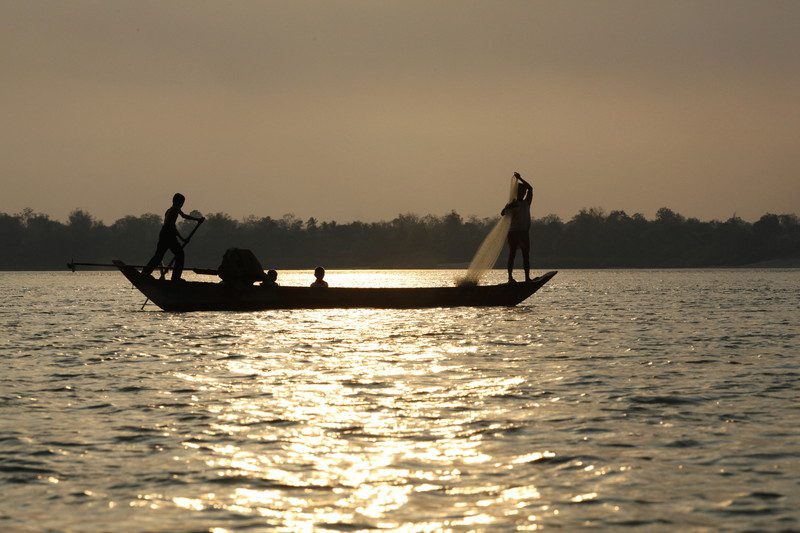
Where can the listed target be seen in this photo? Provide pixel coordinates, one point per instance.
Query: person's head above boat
(319, 273)
(178, 200)
(272, 276)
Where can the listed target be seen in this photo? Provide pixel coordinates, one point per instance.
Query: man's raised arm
(528, 187)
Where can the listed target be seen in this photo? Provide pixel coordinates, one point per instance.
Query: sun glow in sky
(363, 110)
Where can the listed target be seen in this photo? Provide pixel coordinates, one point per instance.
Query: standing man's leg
(512, 254)
(177, 267)
(161, 249)
(526, 256)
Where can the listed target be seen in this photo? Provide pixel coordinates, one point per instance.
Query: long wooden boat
(205, 296)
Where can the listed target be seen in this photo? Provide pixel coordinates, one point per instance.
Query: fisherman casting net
(490, 248)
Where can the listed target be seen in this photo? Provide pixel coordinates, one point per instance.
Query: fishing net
(490, 248)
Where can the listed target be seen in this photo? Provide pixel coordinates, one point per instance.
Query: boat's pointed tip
(545, 276)
(121, 265)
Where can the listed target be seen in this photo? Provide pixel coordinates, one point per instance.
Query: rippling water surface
(650, 399)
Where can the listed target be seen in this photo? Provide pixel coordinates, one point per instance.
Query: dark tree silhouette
(591, 239)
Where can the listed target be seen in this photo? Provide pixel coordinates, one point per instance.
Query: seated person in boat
(168, 238)
(520, 211)
(270, 280)
(319, 273)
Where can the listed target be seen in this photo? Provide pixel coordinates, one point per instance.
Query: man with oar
(168, 238)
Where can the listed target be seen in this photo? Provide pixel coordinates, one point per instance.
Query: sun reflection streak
(345, 426)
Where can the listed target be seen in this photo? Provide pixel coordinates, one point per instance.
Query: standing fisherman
(168, 238)
(518, 237)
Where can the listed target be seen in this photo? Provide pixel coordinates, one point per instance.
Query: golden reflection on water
(609, 400)
(355, 420)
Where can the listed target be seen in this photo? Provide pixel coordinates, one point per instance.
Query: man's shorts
(168, 241)
(519, 239)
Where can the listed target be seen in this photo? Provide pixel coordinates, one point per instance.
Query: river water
(640, 399)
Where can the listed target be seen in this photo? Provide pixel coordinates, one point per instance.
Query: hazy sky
(365, 109)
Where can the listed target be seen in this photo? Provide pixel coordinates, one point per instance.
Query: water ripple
(637, 399)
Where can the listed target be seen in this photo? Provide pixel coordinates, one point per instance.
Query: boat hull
(205, 296)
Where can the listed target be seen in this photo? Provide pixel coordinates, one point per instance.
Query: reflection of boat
(205, 296)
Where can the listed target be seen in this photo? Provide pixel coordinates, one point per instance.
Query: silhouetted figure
(520, 210)
(270, 280)
(168, 238)
(319, 273)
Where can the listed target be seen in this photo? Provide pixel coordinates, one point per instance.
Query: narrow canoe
(205, 296)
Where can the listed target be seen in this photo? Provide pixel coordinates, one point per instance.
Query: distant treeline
(592, 238)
